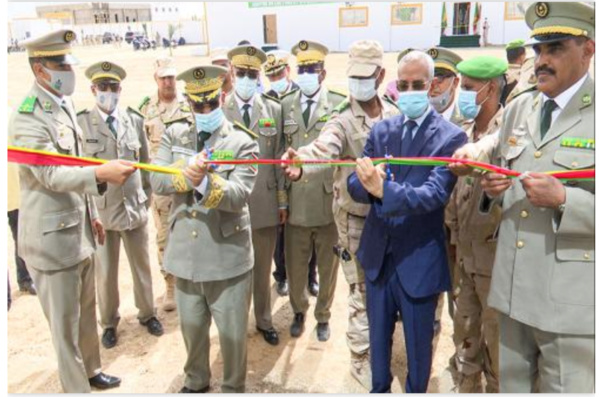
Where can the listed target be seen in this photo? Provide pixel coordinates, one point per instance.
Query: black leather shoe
(323, 332)
(153, 325)
(437, 327)
(271, 336)
(297, 327)
(109, 338)
(103, 381)
(186, 389)
(28, 287)
(313, 289)
(282, 288)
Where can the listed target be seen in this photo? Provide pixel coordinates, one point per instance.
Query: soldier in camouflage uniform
(158, 109)
(344, 137)
(475, 234)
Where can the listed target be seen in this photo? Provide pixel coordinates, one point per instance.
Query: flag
(477, 10)
(443, 20)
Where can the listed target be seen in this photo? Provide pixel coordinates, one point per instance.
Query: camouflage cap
(309, 52)
(558, 21)
(365, 56)
(165, 66)
(56, 45)
(105, 70)
(203, 83)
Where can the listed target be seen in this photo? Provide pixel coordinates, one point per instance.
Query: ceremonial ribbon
(48, 158)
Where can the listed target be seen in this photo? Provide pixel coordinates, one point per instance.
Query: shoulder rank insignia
(143, 102)
(135, 111)
(28, 104)
(185, 108)
(343, 94)
(289, 93)
(262, 123)
(342, 106)
(243, 128)
(324, 118)
(84, 111)
(580, 143)
(177, 119)
(271, 98)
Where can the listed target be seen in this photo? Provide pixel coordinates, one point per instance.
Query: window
(406, 14)
(351, 17)
(515, 10)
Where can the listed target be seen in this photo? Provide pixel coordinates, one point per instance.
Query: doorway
(461, 18)
(270, 28)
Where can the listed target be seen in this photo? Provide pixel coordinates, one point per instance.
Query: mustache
(545, 69)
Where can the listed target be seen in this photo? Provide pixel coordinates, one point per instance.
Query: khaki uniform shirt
(157, 113)
(121, 207)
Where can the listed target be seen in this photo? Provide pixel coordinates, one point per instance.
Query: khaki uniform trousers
(135, 242)
(536, 361)
(264, 241)
(228, 303)
(475, 327)
(68, 299)
(161, 208)
(299, 241)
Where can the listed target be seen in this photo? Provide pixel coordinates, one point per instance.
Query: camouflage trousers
(350, 229)
(475, 328)
(161, 208)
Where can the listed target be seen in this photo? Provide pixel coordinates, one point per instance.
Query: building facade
(96, 13)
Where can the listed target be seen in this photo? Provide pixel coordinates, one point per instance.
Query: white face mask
(246, 88)
(279, 86)
(362, 89)
(440, 102)
(62, 81)
(107, 100)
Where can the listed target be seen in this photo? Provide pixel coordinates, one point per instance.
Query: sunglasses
(241, 73)
(309, 69)
(114, 87)
(418, 85)
(200, 107)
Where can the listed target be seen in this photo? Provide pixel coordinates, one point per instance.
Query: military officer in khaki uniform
(543, 282)
(474, 234)
(444, 89)
(268, 203)
(210, 247)
(59, 220)
(111, 132)
(311, 222)
(344, 136)
(161, 107)
(278, 73)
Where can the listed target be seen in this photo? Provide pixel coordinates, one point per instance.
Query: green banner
(266, 4)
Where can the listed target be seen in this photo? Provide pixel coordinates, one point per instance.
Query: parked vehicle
(108, 38)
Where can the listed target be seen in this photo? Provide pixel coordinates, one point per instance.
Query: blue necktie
(407, 139)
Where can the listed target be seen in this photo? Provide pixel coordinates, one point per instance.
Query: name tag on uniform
(91, 141)
(185, 151)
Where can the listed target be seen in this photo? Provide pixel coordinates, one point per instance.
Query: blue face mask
(467, 103)
(209, 122)
(246, 87)
(308, 83)
(280, 85)
(413, 103)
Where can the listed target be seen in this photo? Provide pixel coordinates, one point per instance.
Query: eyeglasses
(114, 87)
(309, 69)
(241, 73)
(417, 85)
(441, 77)
(200, 107)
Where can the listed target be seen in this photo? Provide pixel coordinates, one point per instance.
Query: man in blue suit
(403, 245)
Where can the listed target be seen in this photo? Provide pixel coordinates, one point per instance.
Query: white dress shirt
(304, 102)
(114, 114)
(564, 98)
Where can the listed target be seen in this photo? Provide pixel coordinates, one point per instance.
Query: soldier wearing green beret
(60, 220)
(111, 132)
(516, 56)
(210, 245)
(442, 94)
(261, 114)
(305, 113)
(543, 282)
(471, 233)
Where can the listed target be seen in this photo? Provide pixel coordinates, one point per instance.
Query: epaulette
(135, 111)
(84, 111)
(272, 98)
(288, 94)
(143, 102)
(178, 119)
(390, 101)
(28, 104)
(185, 108)
(243, 128)
(343, 94)
(342, 106)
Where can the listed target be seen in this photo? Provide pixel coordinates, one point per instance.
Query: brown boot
(168, 302)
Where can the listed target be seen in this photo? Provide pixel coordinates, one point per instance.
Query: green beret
(518, 43)
(483, 67)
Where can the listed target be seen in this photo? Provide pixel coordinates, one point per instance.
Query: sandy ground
(148, 364)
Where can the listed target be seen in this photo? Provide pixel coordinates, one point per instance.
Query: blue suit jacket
(408, 221)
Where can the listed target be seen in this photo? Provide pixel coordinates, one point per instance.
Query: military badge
(303, 45)
(251, 51)
(47, 105)
(512, 141)
(199, 73)
(69, 36)
(542, 9)
(586, 99)
(433, 53)
(106, 66)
